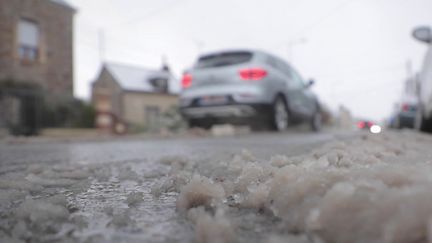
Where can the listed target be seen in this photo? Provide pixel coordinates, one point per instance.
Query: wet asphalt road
(154, 220)
(262, 145)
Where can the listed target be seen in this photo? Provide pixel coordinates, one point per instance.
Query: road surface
(97, 203)
(289, 187)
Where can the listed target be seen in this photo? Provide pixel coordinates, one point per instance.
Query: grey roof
(134, 78)
(64, 3)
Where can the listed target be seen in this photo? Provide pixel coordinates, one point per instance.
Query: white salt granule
(40, 211)
(200, 191)
(217, 229)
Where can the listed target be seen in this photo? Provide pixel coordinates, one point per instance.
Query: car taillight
(361, 125)
(252, 73)
(186, 81)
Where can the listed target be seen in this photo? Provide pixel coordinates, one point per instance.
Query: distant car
(369, 126)
(404, 113)
(423, 120)
(247, 87)
(365, 124)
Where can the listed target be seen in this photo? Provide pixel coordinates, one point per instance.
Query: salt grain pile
(372, 189)
(368, 189)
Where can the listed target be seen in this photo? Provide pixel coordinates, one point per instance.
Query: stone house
(128, 95)
(36, 43)
(36, 51)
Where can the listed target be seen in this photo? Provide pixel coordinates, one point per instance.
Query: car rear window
(223, 59)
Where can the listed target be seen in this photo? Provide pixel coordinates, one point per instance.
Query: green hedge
(41, 109)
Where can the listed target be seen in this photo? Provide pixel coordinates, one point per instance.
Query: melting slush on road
(375, 188)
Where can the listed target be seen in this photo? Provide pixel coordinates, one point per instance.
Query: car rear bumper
(238, 93)
(225, 111)
(219, 111)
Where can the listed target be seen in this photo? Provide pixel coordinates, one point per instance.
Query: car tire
(316, 121)
(196, 123)
(280, 115)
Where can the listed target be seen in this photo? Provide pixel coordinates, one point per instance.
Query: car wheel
(316, 122)
(280, 115)
(195, 123)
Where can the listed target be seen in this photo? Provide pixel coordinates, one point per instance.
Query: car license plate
(213, 100)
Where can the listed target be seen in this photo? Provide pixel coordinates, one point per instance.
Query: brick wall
(53, 69)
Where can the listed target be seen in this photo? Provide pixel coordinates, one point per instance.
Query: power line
(368, 71)
(103, 39)
(150, 14)
(319, 21)
(102, 34)
(363, 89)
(101, 44)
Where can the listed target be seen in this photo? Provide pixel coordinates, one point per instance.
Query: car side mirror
(423, 34)
(310, 83)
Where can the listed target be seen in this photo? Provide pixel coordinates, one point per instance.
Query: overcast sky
(356, 50)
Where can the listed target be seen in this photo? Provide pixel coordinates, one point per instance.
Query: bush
(172, 119)
(39, 108)
(72, 113)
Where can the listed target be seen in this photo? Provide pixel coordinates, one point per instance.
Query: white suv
(247, 87)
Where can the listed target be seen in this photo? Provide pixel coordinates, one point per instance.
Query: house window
(28, 41)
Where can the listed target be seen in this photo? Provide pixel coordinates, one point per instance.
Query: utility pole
(101, 38)
(411, 80)
(409, 68)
